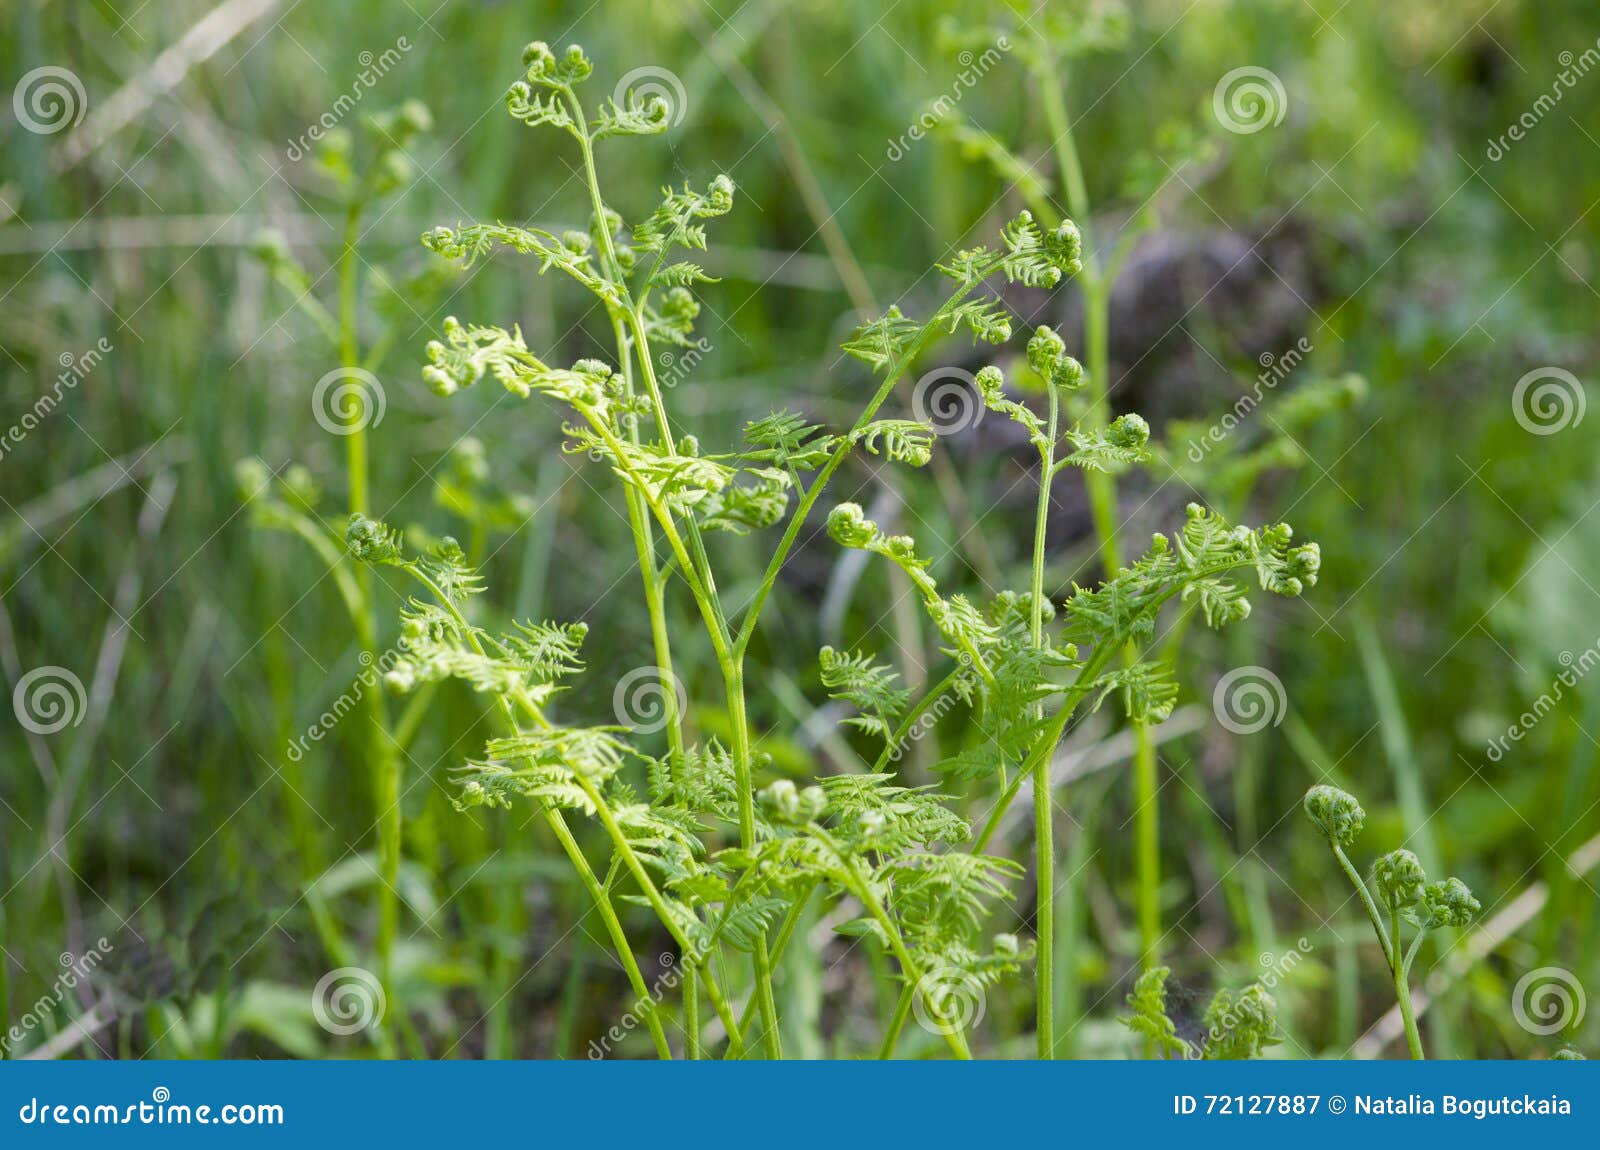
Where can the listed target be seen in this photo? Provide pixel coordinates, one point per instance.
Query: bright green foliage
(719, 853)
(1236, 1025)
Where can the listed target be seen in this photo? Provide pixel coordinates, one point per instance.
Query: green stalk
(897, 1022)
(1102, 489)
(608, 914)
(1390, 948)
(1043, 797)
(706, 594)
(385, 764)
(1402, 988)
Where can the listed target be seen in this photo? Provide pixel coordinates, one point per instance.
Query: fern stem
(897, 1023)
(601, 899)
(384, 762)
(1402, 988)
(909, 970)
(1043, 792)
(808, 499)
(608, 914)
(1102, 488)
(1390, 956)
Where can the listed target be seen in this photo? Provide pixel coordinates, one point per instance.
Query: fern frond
(907, 441)
(857, 678)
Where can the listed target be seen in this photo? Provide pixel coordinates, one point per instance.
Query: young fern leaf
(787, 440)
(857, 678)
(1124, 441)
(1149, 1018)
(908, 441)
(883, 341)
(740, 508)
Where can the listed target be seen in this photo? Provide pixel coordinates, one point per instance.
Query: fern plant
(726, 853)
(1404, 895)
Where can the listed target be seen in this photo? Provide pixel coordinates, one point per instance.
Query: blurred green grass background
(1378, 219)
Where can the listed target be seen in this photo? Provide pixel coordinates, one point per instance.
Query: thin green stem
(897, 1022)
(1043, 792)
(1390, 955)
(385, 762)
(1402, 989)
(608, 914)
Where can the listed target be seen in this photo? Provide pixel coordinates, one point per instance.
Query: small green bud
(271, 247)
(1045, 350)
(539, 61)
(400, 678)
(1007, 945)
(781, 800)
(252, 477)
(1065, 246)
(1336, 813)
(1069, 374)
(813, 803)
(990, 383)
(395, 171)
(370, 541)
(1129, 431)
(415, 117)
(1568, 1054)
(301, 485)
(849, 527)
(1448, 903)
(1400, 879)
